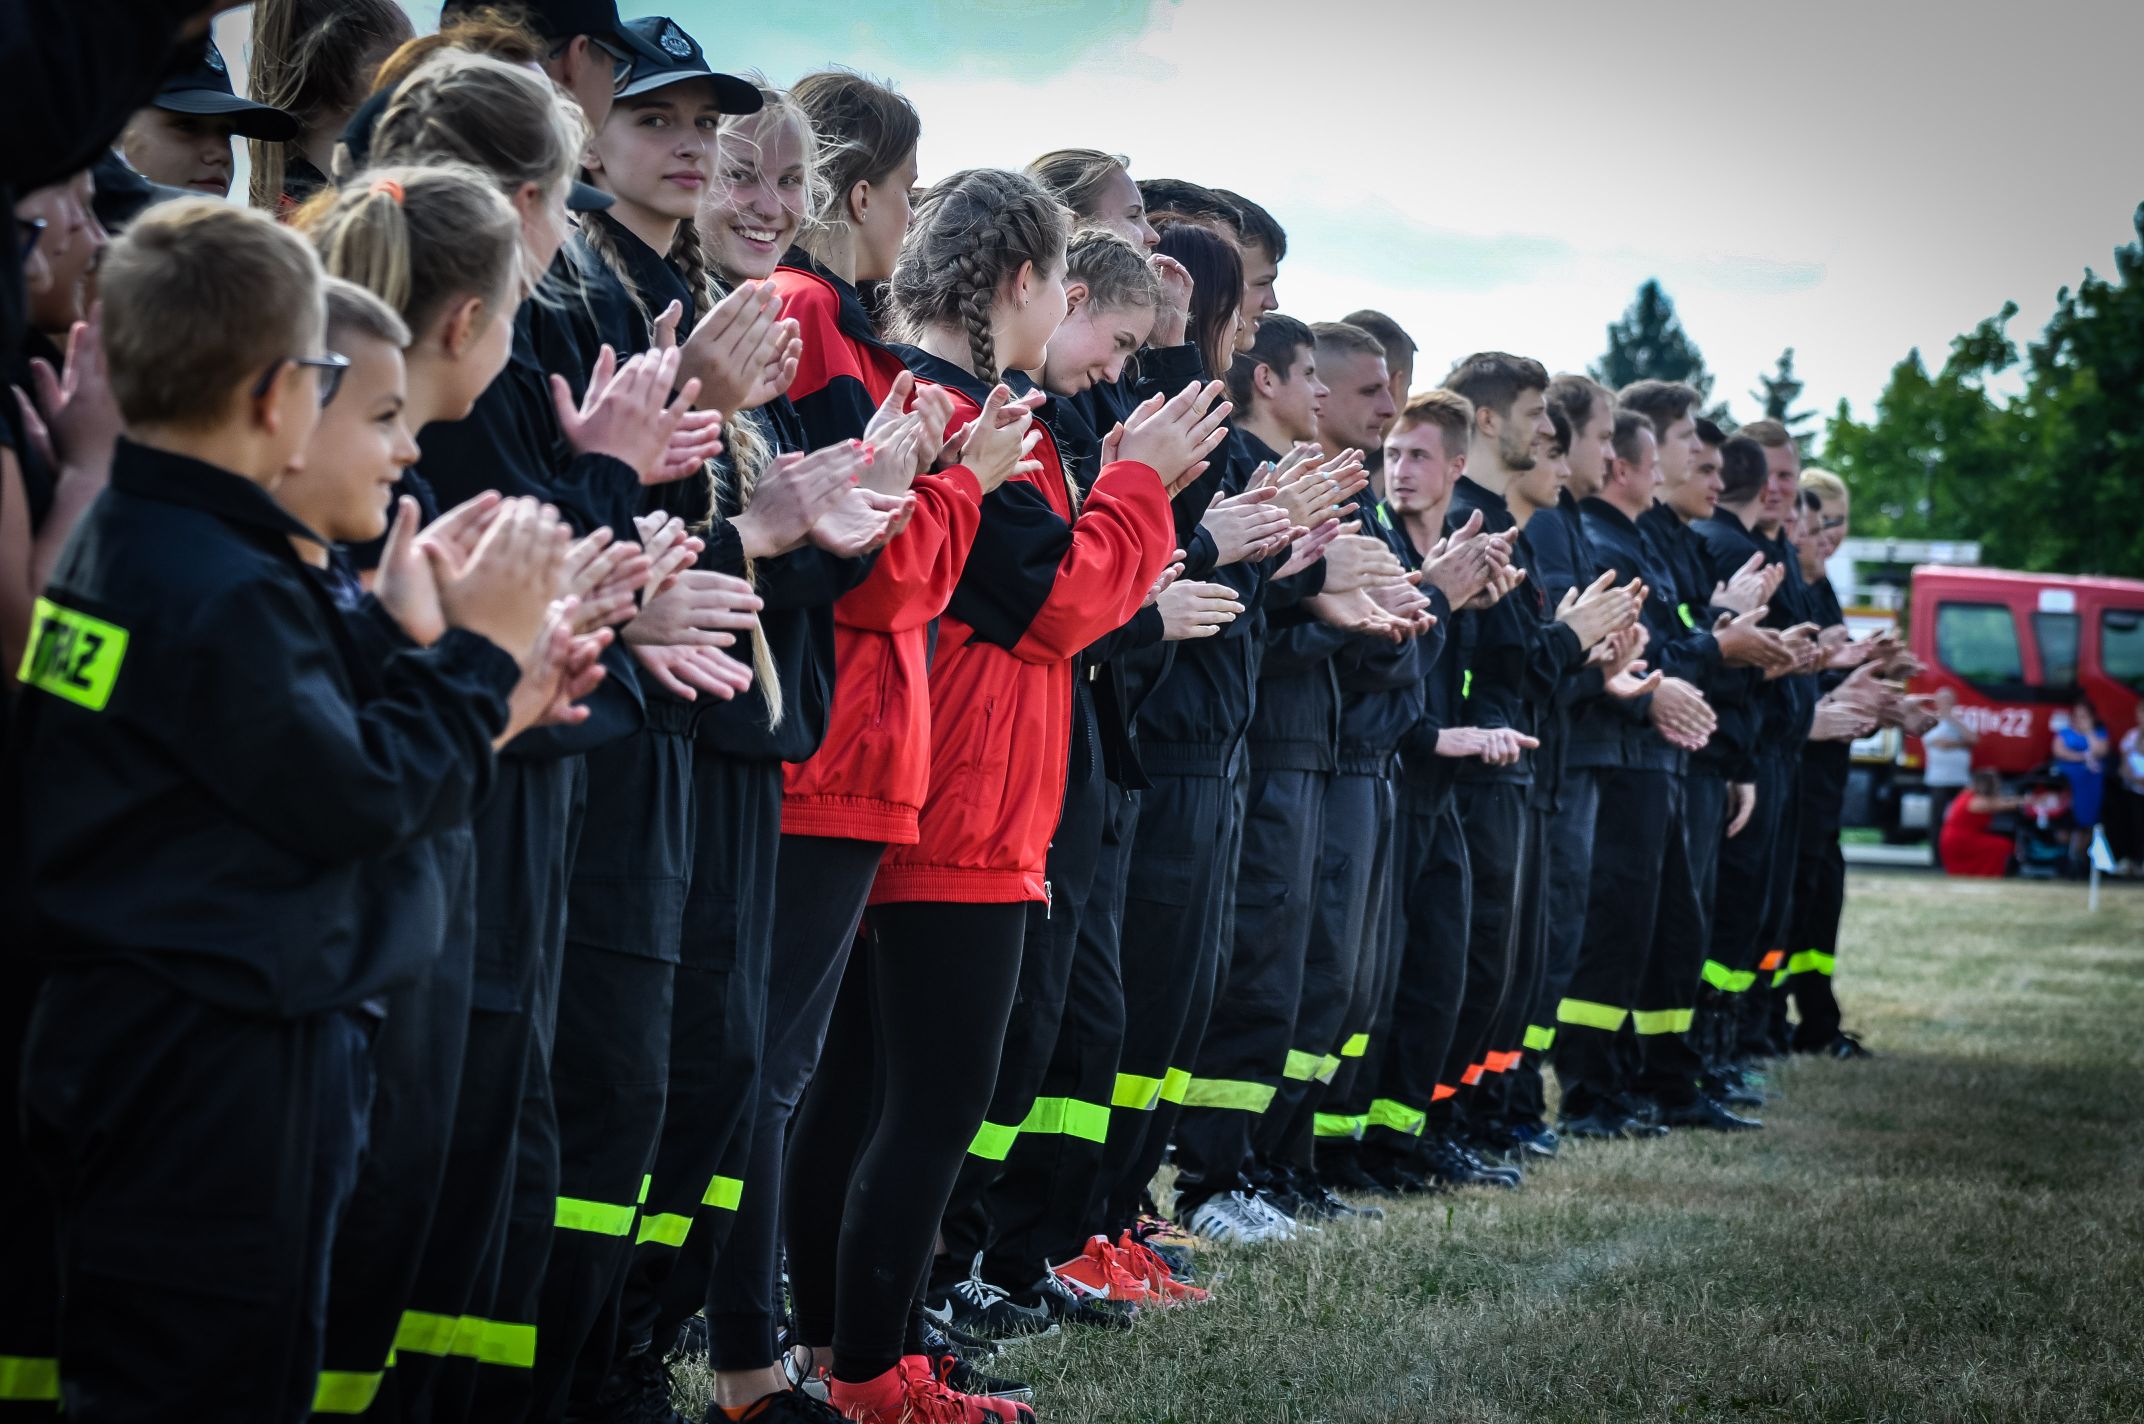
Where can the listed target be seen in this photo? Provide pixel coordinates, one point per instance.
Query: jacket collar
(195, 484)
(940, 371)
(854, 321)
(657, 281)
(1600, 508)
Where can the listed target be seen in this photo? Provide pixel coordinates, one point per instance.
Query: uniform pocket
(1165, 880)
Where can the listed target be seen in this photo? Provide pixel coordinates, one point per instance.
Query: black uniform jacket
(199, 786)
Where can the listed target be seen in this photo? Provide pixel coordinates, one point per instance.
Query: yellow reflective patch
(29, 1378)
(72, 655)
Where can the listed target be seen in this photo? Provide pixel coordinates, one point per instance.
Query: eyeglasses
(621, 63)
(331, 365)
(27, 231)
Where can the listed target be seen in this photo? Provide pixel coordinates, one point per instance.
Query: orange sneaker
(1097, 1273)
(912, 1392)
(1161, 1281)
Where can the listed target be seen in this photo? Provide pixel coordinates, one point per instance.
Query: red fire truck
(2015, 649)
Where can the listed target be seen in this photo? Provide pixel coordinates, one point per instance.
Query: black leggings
(905, 1079)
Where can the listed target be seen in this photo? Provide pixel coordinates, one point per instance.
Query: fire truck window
(1978, 642)
(2121, 646)
(2057, 635)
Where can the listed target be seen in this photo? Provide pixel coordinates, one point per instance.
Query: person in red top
(980, 286)
(1968, 846)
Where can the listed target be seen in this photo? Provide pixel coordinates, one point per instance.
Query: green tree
(1649, 343)
(1778, 392)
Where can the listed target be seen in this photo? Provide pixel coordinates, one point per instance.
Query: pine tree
(1649, 343)
(1778, 392)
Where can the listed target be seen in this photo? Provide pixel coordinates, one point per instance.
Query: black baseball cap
(682, 61)
(357, 138)
(204, 87)
(563, 19)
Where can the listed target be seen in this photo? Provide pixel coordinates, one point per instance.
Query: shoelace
(979, 1292)
(1264, 1211)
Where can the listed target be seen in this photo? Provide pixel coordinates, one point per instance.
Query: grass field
(1954, 1231)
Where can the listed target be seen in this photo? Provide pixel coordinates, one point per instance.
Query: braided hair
(971, 234)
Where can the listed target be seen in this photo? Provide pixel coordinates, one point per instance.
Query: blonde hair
(1115, 273)
(490, 30)
(200, 297)
(1451, 412)
(1825, 485)
(1077, 176)
(354, 311)
(971, 235)
(420, 238)
(460, 107)
(309, 58)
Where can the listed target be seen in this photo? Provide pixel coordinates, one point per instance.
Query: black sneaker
(1399, 1178)
(1512, 1172)
(1536, 1139)
(1349, 1175)
(973, 1348)
(1066, 1305)
(788, 1406)
(1323, 1204)
(981, 1308)
(1842, 1046)
(691, 1342)
(1600, 1126)
(639, 1393)
(1708, 1115)
(1451, 1165)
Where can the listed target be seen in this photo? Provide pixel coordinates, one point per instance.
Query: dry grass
(1954, 1231)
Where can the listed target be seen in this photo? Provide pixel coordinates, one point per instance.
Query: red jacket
(867, 780)
(1039, 586)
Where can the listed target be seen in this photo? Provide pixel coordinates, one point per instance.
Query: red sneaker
(1097, 1273)
(929, 1391)
(1161, 1281)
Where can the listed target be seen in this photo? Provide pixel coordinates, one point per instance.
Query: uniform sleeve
(266, 720)
(1144, 630)
(1044, 589)
(917, 571)
(810, 578)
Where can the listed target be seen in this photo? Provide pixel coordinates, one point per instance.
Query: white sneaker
(1238, 1219)
(1291, 1227)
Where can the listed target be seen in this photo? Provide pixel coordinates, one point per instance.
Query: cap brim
(732, 95)
(251, 120)
(581, 198)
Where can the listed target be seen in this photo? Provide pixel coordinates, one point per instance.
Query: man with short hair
(1264, 245)
(1514, 655)
(1400, 352)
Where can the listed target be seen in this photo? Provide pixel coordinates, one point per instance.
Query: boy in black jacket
(198, 791)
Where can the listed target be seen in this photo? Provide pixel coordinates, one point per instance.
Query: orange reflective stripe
(1471, 1076)
(1439, 1093)
(1771, 961)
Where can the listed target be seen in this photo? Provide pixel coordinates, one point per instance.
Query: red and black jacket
(868, 779)
(1040, 585)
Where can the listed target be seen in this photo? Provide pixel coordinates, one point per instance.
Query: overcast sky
(1851, 179)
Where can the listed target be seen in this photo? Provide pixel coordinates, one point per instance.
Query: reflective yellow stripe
(29, 1378)
(1397, 1117)
(1071, 1117)
(1174, 1085)
(723, 1193)
(1539, 1038)
(992, 1141)
(1356, 1046)
(345, 1392)
(1812, 961)
(594, 1217)
(72, 656)
(664, 1228)
(1301, 1067)
(490, 1342)
(1466, 684)
(1684, 610)
(1587, 1014)
(1728, 981)
(1135, 1092)
(1339, 1124)
(1327, 1066)
(1658, 1021)
(1228, 1093)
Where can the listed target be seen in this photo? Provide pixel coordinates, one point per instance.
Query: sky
(1849, 179)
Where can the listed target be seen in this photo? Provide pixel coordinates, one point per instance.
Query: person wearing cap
(183, 138)
(592, 51)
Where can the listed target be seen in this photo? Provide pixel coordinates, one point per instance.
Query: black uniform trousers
(1340, 969)
(1018, 1110)
(29, 1288)
(1669, 1070)
(198, 1161)
(610, 1059)
(417, 1071)
(1705, 816)
(1435, 893)
(1498, 826)
(1567, 875)
(1596, 1053)
(1739, 910)
(1342, 1113)
(1180, 872)
(1248, 1048)
(1764, 1028)
(718, 1031)
(470, 1317)
(1813, 947)
(820, 885)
